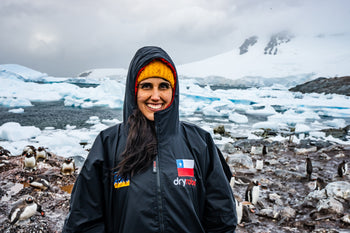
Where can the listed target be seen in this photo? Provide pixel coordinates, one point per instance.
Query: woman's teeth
(154, 106)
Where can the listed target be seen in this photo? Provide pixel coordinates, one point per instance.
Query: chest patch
(185, 167)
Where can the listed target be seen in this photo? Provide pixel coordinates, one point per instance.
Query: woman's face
(153, 95)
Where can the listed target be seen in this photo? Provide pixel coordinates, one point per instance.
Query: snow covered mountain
(255, 61)
(280, 58)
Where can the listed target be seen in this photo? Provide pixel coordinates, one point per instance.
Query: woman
(152, 173)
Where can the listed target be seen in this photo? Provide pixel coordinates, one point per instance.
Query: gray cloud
(64, 38)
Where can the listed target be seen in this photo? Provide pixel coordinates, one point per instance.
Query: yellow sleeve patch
(121, 184)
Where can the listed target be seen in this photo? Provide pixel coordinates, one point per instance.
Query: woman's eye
(145, 85)
(164, 85)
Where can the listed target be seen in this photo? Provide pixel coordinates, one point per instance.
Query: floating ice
(268, 125)
(210, 111)
(283, 109)
(301, 128)
(93, 120)
(257, 110)
(13, 131)
(336, 123)
(17, 110)
(21, 72)
(110, 121)
(238, 118)
(15, 102)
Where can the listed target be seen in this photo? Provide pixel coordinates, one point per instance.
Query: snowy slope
(21, 72)
(316, 56)
(255, 61)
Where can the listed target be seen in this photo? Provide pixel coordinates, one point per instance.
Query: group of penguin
(251, 197)
(27, 207)
(320, 183)
(253, 189)
(32, 156)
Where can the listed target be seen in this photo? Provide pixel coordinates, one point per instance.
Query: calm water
(55, 114)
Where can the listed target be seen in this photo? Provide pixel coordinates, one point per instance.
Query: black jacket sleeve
(86, 212)
(220, 208)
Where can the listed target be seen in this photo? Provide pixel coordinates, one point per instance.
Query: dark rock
(340, 133)
(248, 42)
(275, 40)
(307, 143)
(337, 85)
(221, 130)
(240, 159)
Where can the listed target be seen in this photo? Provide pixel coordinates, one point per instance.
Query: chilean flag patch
(185, 167)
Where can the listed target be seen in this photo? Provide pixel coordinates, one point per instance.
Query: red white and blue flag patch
(185, 167)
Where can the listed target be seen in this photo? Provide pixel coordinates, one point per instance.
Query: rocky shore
(288, 200)
(337, 85)
(16, 186)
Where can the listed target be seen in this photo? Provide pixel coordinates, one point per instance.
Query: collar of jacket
(167, 120)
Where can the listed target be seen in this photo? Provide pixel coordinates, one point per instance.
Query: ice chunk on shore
(238, 118)
(13, 131)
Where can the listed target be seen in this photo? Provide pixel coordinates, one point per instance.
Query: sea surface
(55, 114)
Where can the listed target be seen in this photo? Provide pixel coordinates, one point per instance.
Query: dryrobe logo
(119, 182)
(185, 168)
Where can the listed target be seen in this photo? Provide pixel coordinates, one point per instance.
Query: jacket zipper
(159, 196)
(159, 190)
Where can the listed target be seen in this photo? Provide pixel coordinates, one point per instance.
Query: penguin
(264, 150)
(241, 180)
(259, 164)
(239, 209)
(308, 168)
(39, 183)
(25, 209)
(4, 152)
(320, 184)
(41, 154)
(29, 161)
(342, 169)
(68, 166)
(246, 213)
(232, 181)
(28, 149)
(252, 192)
(4, 155)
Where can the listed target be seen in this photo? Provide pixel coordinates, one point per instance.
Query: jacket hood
(166, 119)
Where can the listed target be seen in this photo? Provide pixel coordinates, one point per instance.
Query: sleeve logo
(119, 182)
(185, 167)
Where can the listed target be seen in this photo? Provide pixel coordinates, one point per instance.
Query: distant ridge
(337, 85)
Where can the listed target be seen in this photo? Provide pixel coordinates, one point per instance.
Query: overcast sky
(66, 37)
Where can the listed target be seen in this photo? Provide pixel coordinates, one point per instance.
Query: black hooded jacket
(186, 189)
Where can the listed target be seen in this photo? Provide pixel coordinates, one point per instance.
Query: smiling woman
(152, 169)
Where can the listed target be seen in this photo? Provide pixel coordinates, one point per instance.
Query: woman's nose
(155, 94)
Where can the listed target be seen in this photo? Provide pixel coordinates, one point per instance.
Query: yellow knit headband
(157, 69)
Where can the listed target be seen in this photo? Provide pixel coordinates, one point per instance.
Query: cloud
(64, 38)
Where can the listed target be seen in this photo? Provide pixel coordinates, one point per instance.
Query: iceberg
(13, 131)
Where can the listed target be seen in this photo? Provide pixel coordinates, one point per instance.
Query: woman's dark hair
(141, 145)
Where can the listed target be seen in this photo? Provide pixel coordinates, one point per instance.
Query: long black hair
(141, 145)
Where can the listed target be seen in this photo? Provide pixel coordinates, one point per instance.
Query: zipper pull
(154, 166)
